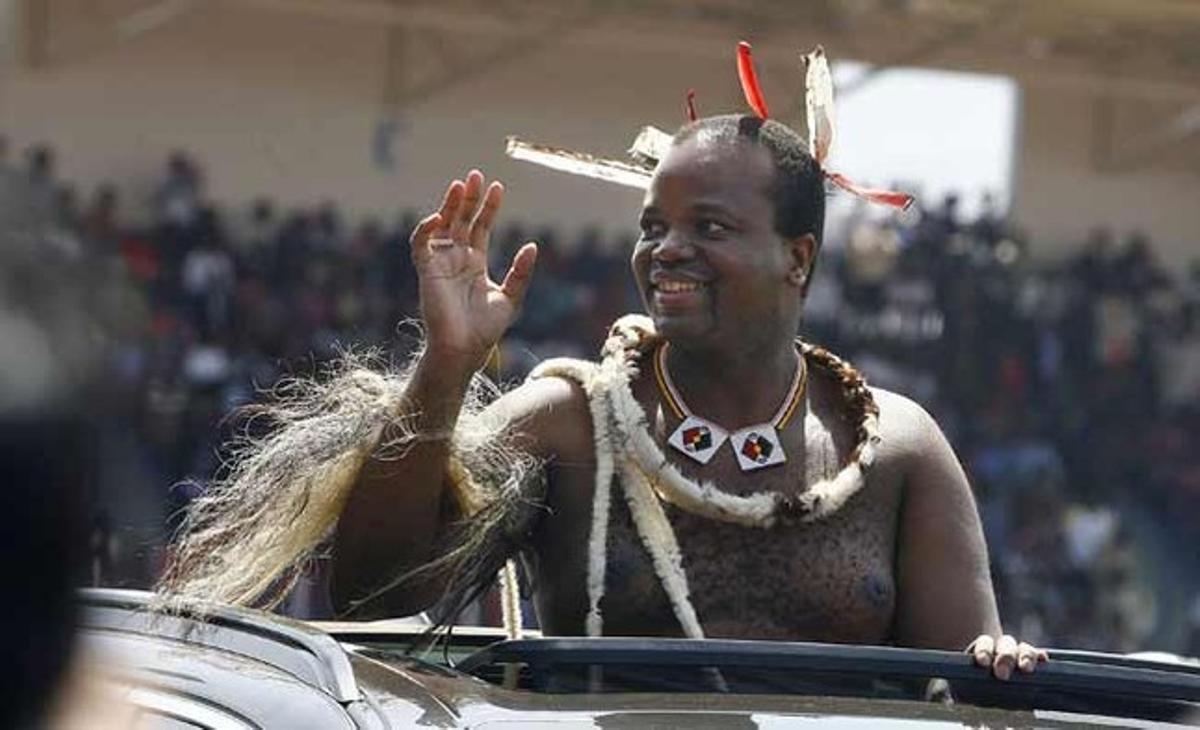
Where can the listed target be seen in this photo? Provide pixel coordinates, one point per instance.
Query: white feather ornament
(598, 539)
(818, 104)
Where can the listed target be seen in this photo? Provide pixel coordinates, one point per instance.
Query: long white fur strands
(653, 527)
(601, 506)
(659, 539)
(510, 600)
(246, 539)
(657, 535)
(595, 384)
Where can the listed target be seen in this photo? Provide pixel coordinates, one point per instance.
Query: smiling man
(712, 476)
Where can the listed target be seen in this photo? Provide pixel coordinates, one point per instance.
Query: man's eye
(653, 229)
(712, 228)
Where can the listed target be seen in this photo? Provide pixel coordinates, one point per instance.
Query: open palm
(464, 311)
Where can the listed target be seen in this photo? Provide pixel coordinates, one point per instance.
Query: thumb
(516, 281)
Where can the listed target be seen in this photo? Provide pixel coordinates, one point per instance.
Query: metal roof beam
(152, 17)
(1179, 128)
(380, 12)
(33, 23)
(955, 35)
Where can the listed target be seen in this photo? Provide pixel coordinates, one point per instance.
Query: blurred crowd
(1071, 391)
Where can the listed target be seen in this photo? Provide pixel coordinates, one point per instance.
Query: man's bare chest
(833, 579)
(829, 580)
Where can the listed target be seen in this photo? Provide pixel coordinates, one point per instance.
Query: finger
(1027, 657)
(1006, 657)
(452, 200)
(419, 240)
(516, 281)
(481, 227)
(982, 650)
(472, 192)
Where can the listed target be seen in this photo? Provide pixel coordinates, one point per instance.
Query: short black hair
(799, 186)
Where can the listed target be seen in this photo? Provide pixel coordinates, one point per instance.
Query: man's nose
(674, 247)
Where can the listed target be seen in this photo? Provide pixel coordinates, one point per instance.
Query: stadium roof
(1142, 47)
(1147, 46)
(1139, 58)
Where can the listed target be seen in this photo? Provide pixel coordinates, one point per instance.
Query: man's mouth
(677, 294)
(672, 287)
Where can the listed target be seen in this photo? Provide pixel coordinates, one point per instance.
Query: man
(768, 493)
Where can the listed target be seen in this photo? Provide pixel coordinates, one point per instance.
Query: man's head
(731, 225)
(798, 187)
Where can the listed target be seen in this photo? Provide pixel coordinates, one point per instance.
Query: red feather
(691, 105)
(884, 197)
(750, 87)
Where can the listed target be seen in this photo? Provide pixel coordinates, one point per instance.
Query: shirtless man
(731, 227)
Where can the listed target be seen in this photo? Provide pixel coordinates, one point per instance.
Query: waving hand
(464, 311)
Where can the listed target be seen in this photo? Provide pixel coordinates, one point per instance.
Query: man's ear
(802, 254)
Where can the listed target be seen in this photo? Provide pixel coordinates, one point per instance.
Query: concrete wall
(1059, 192)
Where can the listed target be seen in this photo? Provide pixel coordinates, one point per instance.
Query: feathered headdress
(651, 144)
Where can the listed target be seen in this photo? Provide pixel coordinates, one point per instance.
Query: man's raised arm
(365, 451)
(397, 508)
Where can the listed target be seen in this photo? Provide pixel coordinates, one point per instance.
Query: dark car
(237, 668)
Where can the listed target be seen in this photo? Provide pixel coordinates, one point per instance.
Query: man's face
(709, 264)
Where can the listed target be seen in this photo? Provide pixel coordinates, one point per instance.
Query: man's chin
(682, 328)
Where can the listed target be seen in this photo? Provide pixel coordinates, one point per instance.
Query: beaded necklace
(755, 447)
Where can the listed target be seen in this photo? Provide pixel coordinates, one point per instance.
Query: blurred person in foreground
(713, 476)
(45, 457)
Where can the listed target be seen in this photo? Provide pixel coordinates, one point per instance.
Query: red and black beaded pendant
(755, 447)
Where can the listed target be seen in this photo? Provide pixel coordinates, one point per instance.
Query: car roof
(483, 704)
(262, 668)
(207, 686)
(302, 651)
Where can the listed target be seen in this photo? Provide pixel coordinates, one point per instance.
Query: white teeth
(677, 286)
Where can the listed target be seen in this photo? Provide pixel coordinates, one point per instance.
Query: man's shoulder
(551, 408)
(554, 386)
(906, 428)
(895, 406)
(913, 445)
